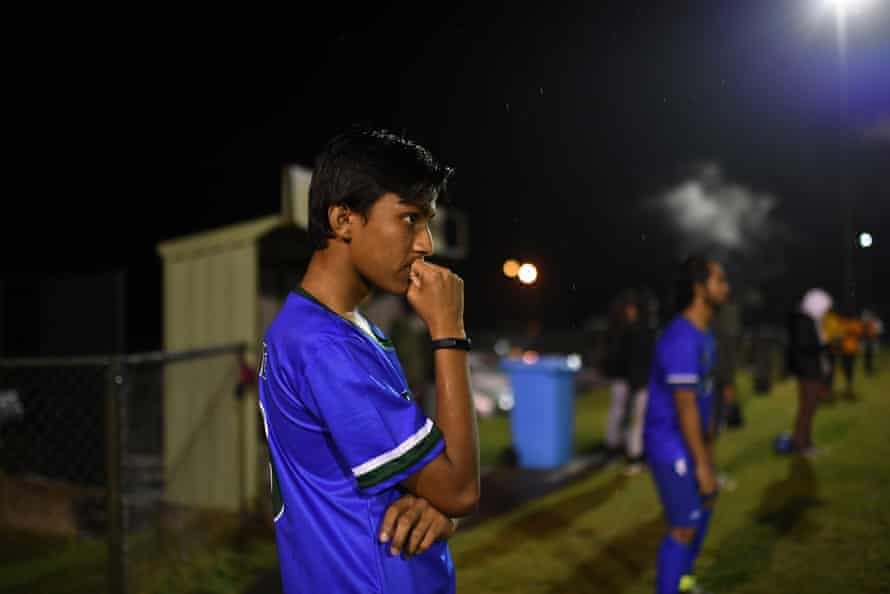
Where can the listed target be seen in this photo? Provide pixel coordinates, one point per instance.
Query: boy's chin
(397, 287)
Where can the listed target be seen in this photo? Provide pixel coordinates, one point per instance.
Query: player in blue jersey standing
(678, 427)
(364, 484)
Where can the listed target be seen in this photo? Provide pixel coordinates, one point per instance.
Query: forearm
(451, 481)
(455, 414)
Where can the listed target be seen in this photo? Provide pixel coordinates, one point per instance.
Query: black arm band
(463, 344)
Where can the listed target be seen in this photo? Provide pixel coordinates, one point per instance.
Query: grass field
(790, 526)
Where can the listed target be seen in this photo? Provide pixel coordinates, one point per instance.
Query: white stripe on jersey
(394, 453)
(682, 378)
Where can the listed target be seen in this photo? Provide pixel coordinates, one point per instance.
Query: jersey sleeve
(680, 362)
(383, 436)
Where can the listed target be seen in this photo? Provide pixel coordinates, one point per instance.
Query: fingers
(426, 270)
(411, 526)
(416, 272)
(428, 539)
(421, 265)
(419, 534)
(388, 527)
(404, 526)
(424, 273)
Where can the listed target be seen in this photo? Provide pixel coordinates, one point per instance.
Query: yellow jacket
(853, 330)
(832, 327)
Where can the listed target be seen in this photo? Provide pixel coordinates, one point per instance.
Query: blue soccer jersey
(343, 432)
(684, 358)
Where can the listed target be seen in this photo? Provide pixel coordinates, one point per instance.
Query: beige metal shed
(221, 287)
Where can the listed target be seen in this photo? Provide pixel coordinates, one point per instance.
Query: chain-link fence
(156, 455)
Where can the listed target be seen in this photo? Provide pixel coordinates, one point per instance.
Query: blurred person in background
(727, 329)
(832, 332)
(808, 361)
(873, 329)
(629, 345)
(677, 433)
(852, 331)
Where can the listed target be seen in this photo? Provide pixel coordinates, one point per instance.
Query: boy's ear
(340, 219)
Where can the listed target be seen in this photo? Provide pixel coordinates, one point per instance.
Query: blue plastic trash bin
(543, 416)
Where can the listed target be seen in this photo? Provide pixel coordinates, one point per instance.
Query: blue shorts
(678, 491)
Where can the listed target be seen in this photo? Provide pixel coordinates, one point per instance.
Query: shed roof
(206, 242)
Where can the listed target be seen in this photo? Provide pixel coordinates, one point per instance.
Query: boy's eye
(412, 218)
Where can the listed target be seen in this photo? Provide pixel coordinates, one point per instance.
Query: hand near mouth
(437, 295)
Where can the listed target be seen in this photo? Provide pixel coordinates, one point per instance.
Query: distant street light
(528, 273)
(865, 240)
(511, 268)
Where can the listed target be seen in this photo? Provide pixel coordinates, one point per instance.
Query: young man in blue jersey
(363, 482)
(678, 428)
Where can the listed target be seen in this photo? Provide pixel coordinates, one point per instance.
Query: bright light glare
(511, 268)
(573, 361)
(865, 240)
(849, 6)
(528, 273)
(843, 11)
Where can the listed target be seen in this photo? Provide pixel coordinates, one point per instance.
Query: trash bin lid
(545, 363)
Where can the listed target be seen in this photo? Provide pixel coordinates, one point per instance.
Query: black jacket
(629, 354)
(805, 350)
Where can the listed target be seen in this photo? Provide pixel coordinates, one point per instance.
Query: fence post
(117, 570)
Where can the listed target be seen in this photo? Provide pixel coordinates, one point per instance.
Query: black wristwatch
(463, 344)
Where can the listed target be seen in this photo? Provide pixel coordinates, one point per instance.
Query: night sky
(567, 123)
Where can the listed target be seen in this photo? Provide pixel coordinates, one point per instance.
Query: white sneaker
(812, 452)
(726, 483)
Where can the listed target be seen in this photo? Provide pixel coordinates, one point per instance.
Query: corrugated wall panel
(209, 300)
(245, 307)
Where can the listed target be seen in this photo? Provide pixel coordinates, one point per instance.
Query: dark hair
(359, 166)
(694, 270)
(618, 311)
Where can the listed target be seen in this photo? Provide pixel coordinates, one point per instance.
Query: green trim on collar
(382, 341)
